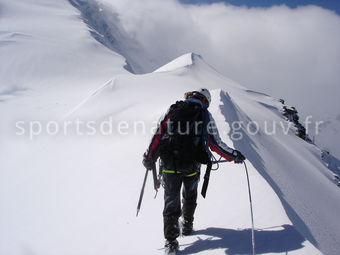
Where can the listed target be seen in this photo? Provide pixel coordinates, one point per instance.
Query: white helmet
(205, 92)
(201, 93)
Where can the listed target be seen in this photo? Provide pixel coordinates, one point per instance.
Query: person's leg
(172, 205)
(189, 203)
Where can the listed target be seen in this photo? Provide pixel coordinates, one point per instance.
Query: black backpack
(182, 145)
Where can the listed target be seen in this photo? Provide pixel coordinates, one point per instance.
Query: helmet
(205, 92)
(202, 94)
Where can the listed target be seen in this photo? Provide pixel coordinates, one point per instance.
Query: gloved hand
(238, 157)
(148, 162)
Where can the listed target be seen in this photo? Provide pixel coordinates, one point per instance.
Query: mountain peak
(188, 59)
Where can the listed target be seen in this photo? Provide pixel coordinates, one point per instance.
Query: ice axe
(156, 184)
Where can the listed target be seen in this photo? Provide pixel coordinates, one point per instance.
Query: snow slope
(76, 192)
(45, 44)
(292, 167)
(275, 50)
(46, 51)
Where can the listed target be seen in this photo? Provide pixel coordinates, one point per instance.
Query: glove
(148, 162)
(238, 157)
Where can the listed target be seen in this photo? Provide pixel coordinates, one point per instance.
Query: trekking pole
(251, 204)
(142, 192)
(251, 211)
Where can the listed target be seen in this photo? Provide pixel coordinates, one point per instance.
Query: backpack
(183, 144)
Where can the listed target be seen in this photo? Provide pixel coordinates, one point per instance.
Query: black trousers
(173, 183)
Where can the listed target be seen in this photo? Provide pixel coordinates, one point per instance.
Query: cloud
(288, 53)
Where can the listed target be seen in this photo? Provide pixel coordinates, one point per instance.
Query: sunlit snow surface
(77, 194)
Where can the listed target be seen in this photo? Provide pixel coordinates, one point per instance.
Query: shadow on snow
(249, 147)
(286, 239)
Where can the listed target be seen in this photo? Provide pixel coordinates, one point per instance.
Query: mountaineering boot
(171, 247)
(171, 227)
(188, 211)
(187, 227)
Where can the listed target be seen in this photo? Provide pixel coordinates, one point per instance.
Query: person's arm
(217, 145)
(152, 151)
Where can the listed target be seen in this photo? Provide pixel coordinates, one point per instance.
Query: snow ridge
(106, 28)
(186, 60)
(77, 193)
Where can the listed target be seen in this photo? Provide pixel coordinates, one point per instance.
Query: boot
(187, 227)
(171, 246)
(171, 227)
(188, 211)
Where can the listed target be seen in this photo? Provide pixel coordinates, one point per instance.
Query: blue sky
(329, 4)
